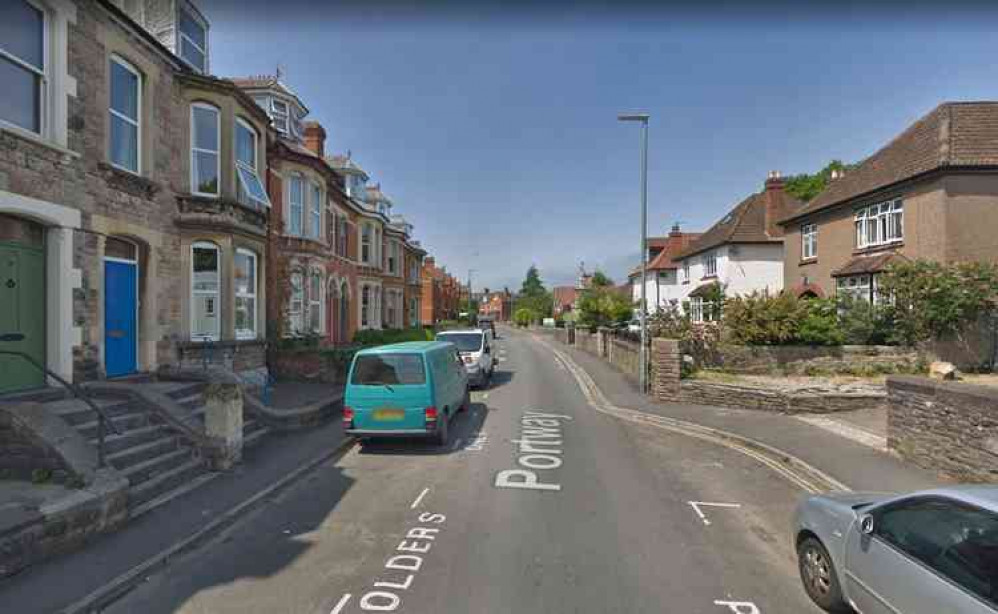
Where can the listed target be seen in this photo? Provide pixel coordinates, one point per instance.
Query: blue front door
(120, 317)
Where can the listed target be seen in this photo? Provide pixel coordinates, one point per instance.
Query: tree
(805, 187)
(532, 285)
(534, 296)
(603, 305)
(600, 280)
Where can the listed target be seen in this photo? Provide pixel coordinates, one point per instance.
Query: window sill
(806, 261)
(872, 249)
(129, 182)
(708, 277)
(27, 135)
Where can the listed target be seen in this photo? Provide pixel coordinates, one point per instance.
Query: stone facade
(766, 399)
(665, 369)
(944, 426)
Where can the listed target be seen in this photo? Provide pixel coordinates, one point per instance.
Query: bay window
(809, 241)
(205, 285)
(123, 115)
(205, 137)
(245, 290)
(192, 42)
(22, 65)
(296, 305)
(315, 302)
(296, 207)
(861, 288)
(250, 188)
(880, 224)
(703, 311)
(315, 218)
(343, 241)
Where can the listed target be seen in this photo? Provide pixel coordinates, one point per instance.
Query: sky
(493, 127)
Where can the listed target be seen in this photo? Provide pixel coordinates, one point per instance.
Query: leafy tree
(602, 305)
(524, 316)
(805, 187)
(532, 285)
(600, 280)
(534, 296)
(931, 300)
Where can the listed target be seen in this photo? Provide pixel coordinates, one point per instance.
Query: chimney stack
(675, 232)
(777, 206)
(315, 138)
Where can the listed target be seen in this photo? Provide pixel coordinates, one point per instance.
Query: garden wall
(309, 366)
(806, 360)
(701, 392)
(944, 426)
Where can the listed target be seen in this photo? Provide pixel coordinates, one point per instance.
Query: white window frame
(137, 122)
(369, 257)
(43, 76)
(315, 210)
(365, 305)
(250, 168)
(283, 116)
(181, 37)
(316, 303)
(686, 271)
(195, 149)
(301, 181)
(216, 335)
(809, 241)
(251, 294)
(710, 264)
(880, 224)
(297, 295)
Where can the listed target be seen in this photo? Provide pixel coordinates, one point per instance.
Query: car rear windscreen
(465, 342)
(392, 369)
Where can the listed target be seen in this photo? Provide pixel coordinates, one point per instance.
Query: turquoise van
(405, 390)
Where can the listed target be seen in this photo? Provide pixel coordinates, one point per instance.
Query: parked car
(921, 553)
(486, 323)
(405, 390)
(634, 326)
(476, 353)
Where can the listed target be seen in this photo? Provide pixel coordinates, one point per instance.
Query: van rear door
(389, 391)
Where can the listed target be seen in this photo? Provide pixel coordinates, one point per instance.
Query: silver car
(930, 552)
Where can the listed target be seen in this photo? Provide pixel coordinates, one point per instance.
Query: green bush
(524, 316)
(367, 338)
(862, 323)
(820, 325)
(781, 319)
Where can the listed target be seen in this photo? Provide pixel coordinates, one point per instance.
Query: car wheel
(817, 573)
(443, 430)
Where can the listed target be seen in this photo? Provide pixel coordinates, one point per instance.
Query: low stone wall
(626, 356)
(584, 340)
(24, 455)
(805, 359)
(945, 426)
(235, 356)
(309, 366)
(747, 397)
(98, 503)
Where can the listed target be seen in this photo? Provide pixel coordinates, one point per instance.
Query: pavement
(59, 582)
(822, 441)
(538, 504)
(291, 395)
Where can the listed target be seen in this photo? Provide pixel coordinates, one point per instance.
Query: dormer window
(279, 114)
(192, 41)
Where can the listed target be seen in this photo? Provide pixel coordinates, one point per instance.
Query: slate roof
(342, 162)
(954, 134)
(258, 82)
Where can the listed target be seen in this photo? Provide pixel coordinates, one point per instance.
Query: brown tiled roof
(671, 246)
(954, 134)
(563, 295)
(746, 223)
(874, 263)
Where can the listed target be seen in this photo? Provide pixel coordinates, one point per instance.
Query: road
(606, 524)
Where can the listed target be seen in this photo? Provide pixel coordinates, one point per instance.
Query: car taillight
(348, 415)
(430, 413)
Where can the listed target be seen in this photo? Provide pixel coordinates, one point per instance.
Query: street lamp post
(643, 118)
(470, 271)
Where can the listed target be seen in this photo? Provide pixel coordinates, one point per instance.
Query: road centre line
(419, 499)
(339, 604)
(696, 505)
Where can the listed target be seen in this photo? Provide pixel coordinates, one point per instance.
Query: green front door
(22, 311)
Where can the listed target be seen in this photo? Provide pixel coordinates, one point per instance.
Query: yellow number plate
(387, 415)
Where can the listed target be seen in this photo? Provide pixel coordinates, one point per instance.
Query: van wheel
(443, 430)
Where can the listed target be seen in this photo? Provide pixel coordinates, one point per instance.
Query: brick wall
(945, 426)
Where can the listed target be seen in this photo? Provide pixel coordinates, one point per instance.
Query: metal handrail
(102, 419)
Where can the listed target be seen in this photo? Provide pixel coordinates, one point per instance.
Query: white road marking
(849, 431)
(457, 444)
(419, 498)
(485, 396)
(696, 505)
(740, 607)
(339, 605)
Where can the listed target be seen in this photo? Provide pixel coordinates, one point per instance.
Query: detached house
(930, 193)
(663, 287)
(742, 253)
